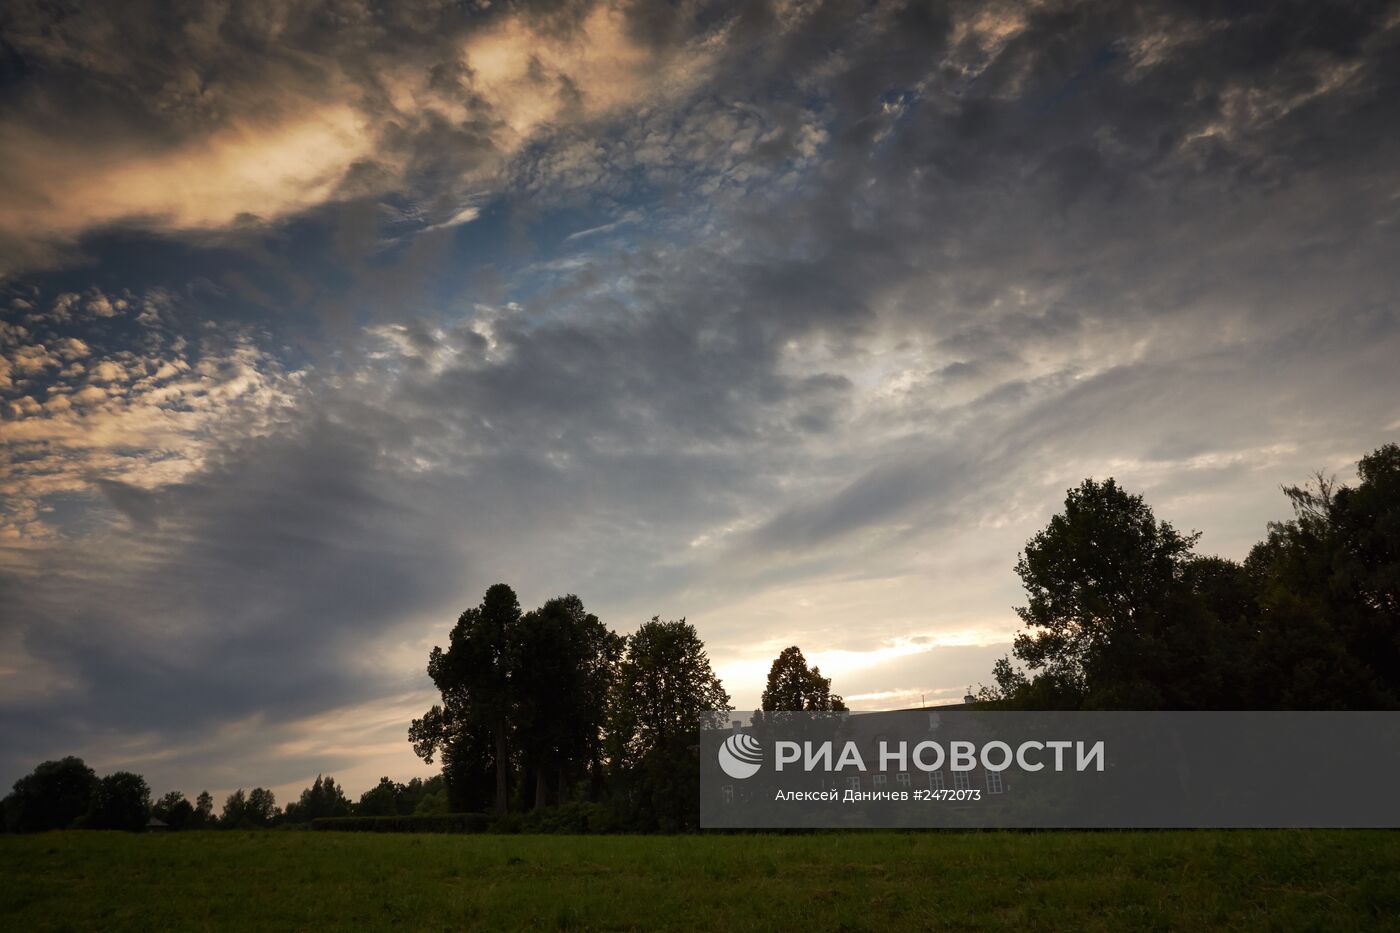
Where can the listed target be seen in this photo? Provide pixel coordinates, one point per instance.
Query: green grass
(1278, 880)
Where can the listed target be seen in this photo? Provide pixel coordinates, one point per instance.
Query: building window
(994, 785)
(880, 781)
(960, 780)
(935, 780)
(728, 793)
(902, 779)
(853, 782)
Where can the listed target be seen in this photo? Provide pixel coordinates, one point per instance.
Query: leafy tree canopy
(173, 810)
(473, 676)
(1121, 614)
(793, 686)
(53, 796)
(122, 801)
(323, 798)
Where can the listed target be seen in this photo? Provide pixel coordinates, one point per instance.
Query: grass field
(1283, 880)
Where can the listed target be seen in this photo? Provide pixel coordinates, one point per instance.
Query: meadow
(1277, 880)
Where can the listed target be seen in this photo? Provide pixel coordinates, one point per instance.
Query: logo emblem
(740, 756)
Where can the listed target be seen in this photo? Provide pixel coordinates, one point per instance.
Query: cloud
(123, 422)
(250, 120)
(796, 321)
(238, 171)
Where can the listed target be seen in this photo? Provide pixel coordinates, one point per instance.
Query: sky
(792, 319)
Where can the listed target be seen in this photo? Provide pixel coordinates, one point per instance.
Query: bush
(444, 823)
(572, 818)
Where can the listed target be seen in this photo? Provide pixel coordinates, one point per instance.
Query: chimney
(969, 698)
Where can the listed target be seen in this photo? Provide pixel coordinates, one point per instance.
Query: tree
(467, 749)
(174, 810)
(381, 799)
(53, 796)
(412, 795)
(122, 801)
(323, 798)
(203, 815)
(262, 807)
(665, 686)
(257, 808)
(1367, 519)
(665, 692)
(474, 678)
(235, 812)
(433, 803)
(1328, 590)
(794, 687)
(1100, 577)
(562, 662)
(1123, 616)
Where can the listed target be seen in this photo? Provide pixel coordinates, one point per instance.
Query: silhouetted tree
(1123, 616)
(665, 691)
(473, 675)
(262, 807)
(411, 795)
(323, 798)
(380, 800)
(563, 662)
(793, 686)
(203, 816)
(1327, 584)
(173, 810)
(122, 801)
(432, 803)
(235, 812)
(467, 749)
(1092, 576)
(1104, 579)
(53, 796)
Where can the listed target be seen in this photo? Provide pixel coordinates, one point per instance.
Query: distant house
(155, 825)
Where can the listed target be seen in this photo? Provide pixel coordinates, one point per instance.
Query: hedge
(441, 823)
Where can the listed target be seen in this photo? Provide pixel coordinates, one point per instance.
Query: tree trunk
(563, 786)
(541, 789)
(500, 767)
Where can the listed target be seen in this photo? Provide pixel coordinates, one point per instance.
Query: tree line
(548, 719)
(549, 708)
(542, 710)
(1122, 613)
(67, 794)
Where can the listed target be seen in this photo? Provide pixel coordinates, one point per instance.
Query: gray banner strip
(975, 769)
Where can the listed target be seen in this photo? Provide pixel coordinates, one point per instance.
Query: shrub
(574, 818)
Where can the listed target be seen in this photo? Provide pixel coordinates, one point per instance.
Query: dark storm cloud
(801, 304)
